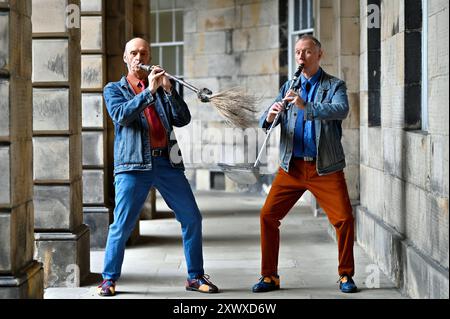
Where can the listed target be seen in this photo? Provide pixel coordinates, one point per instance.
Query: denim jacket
(131, 141)
(329, 108)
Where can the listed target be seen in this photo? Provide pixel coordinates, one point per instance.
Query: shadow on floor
(149, 241)
(164, 215)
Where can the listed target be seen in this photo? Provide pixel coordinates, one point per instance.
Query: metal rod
(294, 79)
(149, 68)
(266, 139)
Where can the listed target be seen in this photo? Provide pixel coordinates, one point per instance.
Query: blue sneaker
(346, 284)
(267, 284)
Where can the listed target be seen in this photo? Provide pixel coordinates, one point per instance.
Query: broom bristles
(236, 106)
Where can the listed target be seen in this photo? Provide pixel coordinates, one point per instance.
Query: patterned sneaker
(201, 284)
(107, 288)
(346, 284)
(267, 284)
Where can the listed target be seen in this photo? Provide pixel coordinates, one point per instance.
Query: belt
(306, 159)
(158, 152)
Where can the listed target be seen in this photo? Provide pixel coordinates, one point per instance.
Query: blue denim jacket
(131, 140)
(329, 108)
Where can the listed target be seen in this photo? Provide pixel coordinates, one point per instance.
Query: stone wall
(229, 43)
(226, 44)
(403, 218)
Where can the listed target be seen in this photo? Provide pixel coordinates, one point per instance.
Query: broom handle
(296, 75)
(189, 86)
(266, 139)
(149, 68)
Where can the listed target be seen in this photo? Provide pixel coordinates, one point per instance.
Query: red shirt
(157, 132)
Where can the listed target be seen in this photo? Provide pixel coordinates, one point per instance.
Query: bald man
(144, 108)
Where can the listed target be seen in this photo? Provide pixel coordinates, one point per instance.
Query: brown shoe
(107, 288)
(201, 284)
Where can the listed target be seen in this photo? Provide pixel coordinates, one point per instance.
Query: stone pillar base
(97, 219)
(66, 257)
(149, 210)
(27, 285)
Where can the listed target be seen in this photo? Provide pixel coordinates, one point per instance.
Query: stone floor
(155, 267)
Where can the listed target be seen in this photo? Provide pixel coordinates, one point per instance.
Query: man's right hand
(155, 79)
(276, 108)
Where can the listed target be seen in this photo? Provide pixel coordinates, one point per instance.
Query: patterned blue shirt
(304, 133)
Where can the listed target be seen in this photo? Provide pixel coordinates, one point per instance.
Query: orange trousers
(330, 192)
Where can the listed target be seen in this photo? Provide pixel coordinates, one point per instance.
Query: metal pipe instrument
(203, 94)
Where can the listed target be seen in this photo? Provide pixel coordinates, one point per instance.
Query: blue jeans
(131, 192)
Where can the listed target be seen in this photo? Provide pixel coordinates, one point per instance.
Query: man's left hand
(293, 97)
(167, 86)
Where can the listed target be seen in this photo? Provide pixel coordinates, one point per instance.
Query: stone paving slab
(155, 267)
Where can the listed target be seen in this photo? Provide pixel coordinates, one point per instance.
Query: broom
(236, 106)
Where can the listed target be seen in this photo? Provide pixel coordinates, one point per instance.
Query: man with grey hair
(312, 158)
(144, 109)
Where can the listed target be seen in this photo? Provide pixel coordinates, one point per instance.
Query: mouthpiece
(299, 70)
(145, 67)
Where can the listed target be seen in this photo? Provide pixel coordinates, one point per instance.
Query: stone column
(96, 212)
(141, 28)
(340, 36)
(20, 275)
(119, 29)
(141, 19)
(62, 240)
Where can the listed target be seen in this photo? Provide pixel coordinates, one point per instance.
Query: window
(166, 18)
(424, 65)
(301, 21)
(374, 62)
(415, 72)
